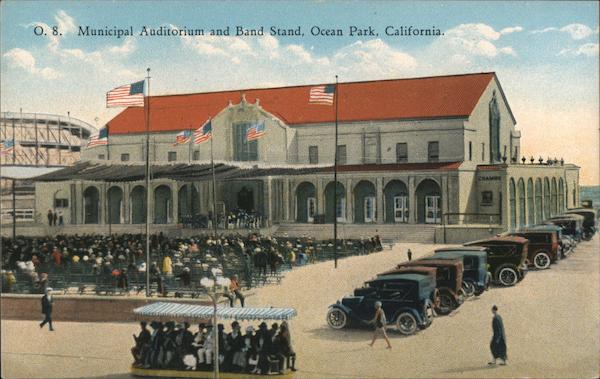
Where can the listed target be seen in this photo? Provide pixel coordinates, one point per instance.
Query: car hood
(352, 300)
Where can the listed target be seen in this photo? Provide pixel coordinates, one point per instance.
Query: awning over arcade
(201, 171)
(94, 171)
(24, 172)
(163, 311)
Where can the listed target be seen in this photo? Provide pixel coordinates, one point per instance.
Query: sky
(544, 53)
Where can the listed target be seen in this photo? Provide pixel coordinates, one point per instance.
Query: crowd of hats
(117, 255)
(261, 350)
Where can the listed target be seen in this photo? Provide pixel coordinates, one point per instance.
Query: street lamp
(215, 287)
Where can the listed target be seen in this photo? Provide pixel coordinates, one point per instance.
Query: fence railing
(472, 218)
(22, 215)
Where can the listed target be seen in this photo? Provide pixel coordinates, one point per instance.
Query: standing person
(47, 301)
(409, 255)
(235, 291)
(54, 218)
(142, 344)
(498, 344)
(50, 217)
(379, 322)
(285, 346)
(61, 219)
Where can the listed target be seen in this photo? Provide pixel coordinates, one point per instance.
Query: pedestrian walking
(379, 322)
(498, 344)
(50, 217)
(409, 255)
(47, 301)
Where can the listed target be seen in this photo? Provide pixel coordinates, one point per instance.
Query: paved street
(552, 320)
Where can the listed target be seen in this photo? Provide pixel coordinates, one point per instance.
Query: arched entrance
(245, 199)
(539, 214)
(162, 205)
(561, 195)
(115, 204)
(188, 201)
(512, 203)
(91, 201)
(396, 202)
(429, 202)
(365, 202)
(521, 202)
(546, 198)
(306, 202)
(553, 193)
(341, 202)
(530, 203)
(138, 205)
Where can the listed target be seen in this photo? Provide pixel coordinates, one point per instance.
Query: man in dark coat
(498, 344)
(142, 345)
(47, 308)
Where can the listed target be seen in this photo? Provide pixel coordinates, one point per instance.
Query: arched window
(561, 195)
(530, 203)
(547, 198)
(554, 195)
(521, 202)
(513, 208)
(539, 214)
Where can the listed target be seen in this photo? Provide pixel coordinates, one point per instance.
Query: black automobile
(572, 225)
(476, 277)
(405, 299)
(507, 257)
(589, 221)
(565, 244)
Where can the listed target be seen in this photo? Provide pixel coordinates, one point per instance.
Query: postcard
(299, 189)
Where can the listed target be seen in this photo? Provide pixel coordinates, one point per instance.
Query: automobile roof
(461, 248)
(586, 210)
(421, 270)
(531, 229)
(551, 227)
(452, 254)
(499, 239)
(570, 216)
(435, 262)
(406, 277)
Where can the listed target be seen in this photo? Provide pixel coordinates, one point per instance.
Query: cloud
(23, 59)
(469, 42)
(576, 31)
(511, 29)
(588, 50)
(373, 59)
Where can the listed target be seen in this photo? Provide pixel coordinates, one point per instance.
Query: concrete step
(395, 232)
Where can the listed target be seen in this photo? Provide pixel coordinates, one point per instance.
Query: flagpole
(190, 143)
(214, 182)
(147, 104)
(335, 163)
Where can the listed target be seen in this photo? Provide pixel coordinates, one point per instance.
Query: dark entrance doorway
(245, 199)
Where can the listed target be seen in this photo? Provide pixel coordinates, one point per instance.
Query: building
(42, 143)
(435, 150)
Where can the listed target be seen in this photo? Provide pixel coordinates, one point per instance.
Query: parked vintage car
(506, 258)
(572, 225)
(476, 277)
(589, 221)
(565, 245)
(449, 275)
(419, 270)
(405, 299)
(543, 246)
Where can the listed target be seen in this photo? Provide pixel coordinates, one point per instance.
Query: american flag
(130, 95)
(183, 137)
(255, 131)
(99, 139)
(322, 94)
(8, 146)
(203, 133)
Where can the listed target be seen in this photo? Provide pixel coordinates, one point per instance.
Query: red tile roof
(418, 98)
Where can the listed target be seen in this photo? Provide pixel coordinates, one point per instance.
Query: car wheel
(336, 318)
(507, 276)
(541, 261)
(468, 289)
(446, 303)
(406, 323)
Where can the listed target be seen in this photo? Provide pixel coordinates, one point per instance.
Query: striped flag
(183, 137)
(255, 131)
(99, 139)
(203, 133)
(8, 146)
(322, 94)
(130, 95)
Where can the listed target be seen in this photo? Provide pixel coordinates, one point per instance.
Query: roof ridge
(322, 83)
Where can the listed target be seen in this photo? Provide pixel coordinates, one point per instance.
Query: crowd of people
(119, 259)
(174, 346)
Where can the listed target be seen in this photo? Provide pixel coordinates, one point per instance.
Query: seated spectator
(142, 345)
